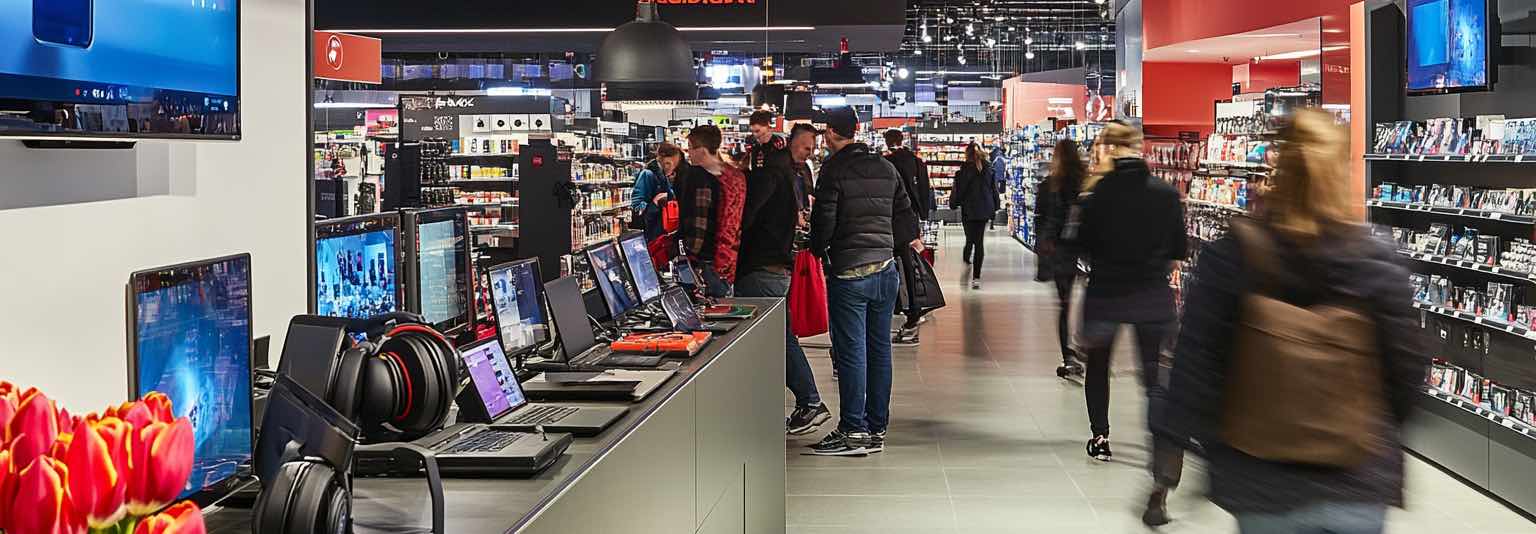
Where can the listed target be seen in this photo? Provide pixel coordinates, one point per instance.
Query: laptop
(578, 344)
(476, 450)
(499, 400)
(685, 318)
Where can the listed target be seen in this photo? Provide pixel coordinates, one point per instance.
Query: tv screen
(357, 266)
(441, 290)
(120, 68)
(191, 340)
(1448, 45)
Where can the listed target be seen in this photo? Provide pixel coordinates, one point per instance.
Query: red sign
(348, 58)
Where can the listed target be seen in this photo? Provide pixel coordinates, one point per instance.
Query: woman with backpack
(975, 195)
(1298, 357)
(1053, 202)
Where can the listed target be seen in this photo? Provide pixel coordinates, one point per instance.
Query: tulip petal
(34, 427)
(7, 487)
(96, 456)
(182, 518)
(41, 491)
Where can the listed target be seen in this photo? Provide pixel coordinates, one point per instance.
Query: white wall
(64, 267)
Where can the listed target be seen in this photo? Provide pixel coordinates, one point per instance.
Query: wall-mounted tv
(1450, 45)
(120, 68)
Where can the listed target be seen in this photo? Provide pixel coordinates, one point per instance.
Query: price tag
(1478, 320)
(1494, 270)
(1461, 212)
(1496, 215)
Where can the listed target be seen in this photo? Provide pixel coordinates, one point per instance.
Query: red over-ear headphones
(403, 383)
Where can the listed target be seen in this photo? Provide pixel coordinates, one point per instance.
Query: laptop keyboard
(487, 441)
(545, 414)
(595, 356)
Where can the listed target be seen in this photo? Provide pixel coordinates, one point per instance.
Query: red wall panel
(1183, 93)
(1166, 22)
(1257, 77)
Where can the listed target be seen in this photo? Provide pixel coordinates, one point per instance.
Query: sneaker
(839, 444)
(806, 419)
(1098, 448)
(975, 283)
(877, 442)
(906, 338)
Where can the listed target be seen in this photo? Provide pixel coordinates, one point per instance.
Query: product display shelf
(1490, 324)
(1469, 265)
(1498, 419)
(1454, 158)
(1453, 212)
(1218, 205)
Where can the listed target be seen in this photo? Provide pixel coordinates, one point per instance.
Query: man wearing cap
(861, 213)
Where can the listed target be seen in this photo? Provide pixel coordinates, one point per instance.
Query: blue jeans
(798, 375)
(860, 315)
(1320, 518)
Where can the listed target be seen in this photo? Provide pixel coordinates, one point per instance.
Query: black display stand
(406, 457)
(546, 198)
(1485, 449)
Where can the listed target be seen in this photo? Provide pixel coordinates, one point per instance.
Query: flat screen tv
(120, 69)
(1450, 45)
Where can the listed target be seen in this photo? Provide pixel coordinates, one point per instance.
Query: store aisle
(985, 439)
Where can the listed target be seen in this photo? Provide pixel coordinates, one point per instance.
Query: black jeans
(975, 241)
(1064, 315)
(1098, 342)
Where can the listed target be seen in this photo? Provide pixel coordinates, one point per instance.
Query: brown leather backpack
(1304, 384)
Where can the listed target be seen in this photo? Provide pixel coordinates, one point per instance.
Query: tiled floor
(985, 439)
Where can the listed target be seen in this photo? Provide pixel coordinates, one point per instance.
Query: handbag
(671, 216)
(661, 248)
(807, 297)
(919, 284)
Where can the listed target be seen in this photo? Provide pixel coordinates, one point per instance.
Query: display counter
(704, 453)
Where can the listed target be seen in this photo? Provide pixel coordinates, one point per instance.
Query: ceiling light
(1080, 45)
(927, 38)
(903, 73)
(1029, 40)
(970, 29)
(1010, 28)
(949, 20)
(991, 42)
(1193, 51)
(962, 60)
(1029, 55)
(667, 59)
(918, 52)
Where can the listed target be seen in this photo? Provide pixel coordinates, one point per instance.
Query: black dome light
(646, 59)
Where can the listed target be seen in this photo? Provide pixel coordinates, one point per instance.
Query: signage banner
(348, 58)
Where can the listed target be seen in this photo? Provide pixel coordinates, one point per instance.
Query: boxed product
(1521, 409)
(1499, 302)
(1498, 398)
(1486, 250)
(1471, 387)
(1463, 247)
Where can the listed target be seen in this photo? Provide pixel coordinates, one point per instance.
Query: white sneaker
(975, 283)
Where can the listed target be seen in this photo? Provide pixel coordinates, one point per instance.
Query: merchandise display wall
(99, 215)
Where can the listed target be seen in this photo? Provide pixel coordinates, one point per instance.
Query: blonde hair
(1312, 189)
(1119, 140)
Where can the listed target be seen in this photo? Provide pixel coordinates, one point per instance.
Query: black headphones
(303, 460)
(399, 385)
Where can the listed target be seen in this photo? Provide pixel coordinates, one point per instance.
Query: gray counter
(704, 453)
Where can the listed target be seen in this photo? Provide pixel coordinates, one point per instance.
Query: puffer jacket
(861, 212)
(1342, 265)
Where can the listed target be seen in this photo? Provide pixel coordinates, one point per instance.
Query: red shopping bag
(661, 249)
(807, 297)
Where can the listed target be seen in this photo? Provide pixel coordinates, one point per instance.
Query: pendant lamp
(646, 59)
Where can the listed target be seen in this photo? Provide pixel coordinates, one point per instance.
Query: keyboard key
(487, 441)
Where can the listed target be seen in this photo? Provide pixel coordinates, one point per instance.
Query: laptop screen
(682, 271)
(519, 305)
(493, 377)
(638, 257)
(680, 311)
(570, 315)
(608, 270)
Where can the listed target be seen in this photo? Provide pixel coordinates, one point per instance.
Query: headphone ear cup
(347, 389)
(380, 391)
(270, 514)
(312, 499)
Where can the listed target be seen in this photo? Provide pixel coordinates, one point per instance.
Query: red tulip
(99, 456)
(7, 487)
(60, 446)
(8, 407)
(161, 462)
(42, 495)
(135, 413)
(159, 407)
(32, 430)
(181, 518)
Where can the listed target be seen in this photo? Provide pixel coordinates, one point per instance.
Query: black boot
(1157, 508)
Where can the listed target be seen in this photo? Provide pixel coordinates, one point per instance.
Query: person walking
(975, 195)
(861, 213)
(714, 195)
(1131, 229)
(913, 179)
(768, 227)
(654, 187)
(1056, 262)
(1306, 251)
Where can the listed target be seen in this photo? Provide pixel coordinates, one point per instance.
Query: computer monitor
(519, 304)
(570, 316)
(495, 383)
(679, 309)
(189, 337)
(637, 255)
(440, 284)
(357, 262)
(612, 279)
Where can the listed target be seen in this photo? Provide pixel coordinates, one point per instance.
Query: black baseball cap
(843, 120)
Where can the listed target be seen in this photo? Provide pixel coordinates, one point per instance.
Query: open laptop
(685, 318)
(578, 344)
(500, 400)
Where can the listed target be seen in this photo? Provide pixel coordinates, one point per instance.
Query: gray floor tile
(870, 512)
(853, 481)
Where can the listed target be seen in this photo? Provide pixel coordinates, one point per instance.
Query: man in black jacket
(768, 224)
(861, 213)
(909, 165)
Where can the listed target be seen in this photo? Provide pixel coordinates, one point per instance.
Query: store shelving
(1489, 215)
(1454, 158)
(1469, 265)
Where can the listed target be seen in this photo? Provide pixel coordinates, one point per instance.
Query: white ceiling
(1292, 39)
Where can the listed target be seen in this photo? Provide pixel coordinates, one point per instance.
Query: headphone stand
(401, 453)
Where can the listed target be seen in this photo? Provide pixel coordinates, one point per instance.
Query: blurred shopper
(975, 195)
(1309, 260)
(861, 213)
(908, 165)
(1056, 262)
(999, 161)
(1131, 229)
(713, 198)
(654, 187)
(768, 227)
